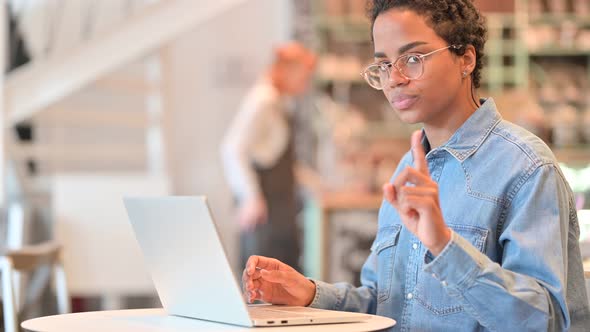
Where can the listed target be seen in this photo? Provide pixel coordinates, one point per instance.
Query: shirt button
(415, 245)
(444, 283)
(434, 276)
(409, 296)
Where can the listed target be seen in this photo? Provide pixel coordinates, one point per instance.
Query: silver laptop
(193, 278)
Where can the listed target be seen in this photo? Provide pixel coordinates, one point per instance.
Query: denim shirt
(513, 262)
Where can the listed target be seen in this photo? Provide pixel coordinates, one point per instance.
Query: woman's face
(432, 97)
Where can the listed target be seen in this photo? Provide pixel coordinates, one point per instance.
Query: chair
(88, 211)
(27, 259)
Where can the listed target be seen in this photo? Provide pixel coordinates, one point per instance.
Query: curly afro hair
(458, 22)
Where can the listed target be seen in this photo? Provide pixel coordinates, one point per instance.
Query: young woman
(478, 228)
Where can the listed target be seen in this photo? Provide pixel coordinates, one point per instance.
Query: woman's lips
(403, 102)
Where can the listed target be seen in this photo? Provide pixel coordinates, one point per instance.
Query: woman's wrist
(440, 245)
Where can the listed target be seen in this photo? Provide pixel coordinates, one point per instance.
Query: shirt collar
(469, 137)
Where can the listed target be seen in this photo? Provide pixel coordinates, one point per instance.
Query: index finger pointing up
(418, 153)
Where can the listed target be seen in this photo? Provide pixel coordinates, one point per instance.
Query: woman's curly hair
(458, 22)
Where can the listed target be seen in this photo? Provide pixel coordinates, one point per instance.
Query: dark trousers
(279, 238)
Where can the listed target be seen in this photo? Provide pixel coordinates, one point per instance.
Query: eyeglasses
(410, 66)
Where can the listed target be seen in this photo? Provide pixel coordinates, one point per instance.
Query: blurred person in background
(478, 229)
(259, 158)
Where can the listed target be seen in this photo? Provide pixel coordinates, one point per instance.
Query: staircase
(99, 106)
(111, 125)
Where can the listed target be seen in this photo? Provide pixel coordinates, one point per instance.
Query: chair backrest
(90, 217)
(27, 259)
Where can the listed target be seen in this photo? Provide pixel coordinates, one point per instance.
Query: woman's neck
(440, 129)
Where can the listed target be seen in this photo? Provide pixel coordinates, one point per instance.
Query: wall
(212, 68)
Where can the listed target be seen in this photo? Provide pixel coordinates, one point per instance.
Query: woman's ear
(468, 60)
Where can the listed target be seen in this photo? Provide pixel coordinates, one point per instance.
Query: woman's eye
(383, 66)
(412, 60)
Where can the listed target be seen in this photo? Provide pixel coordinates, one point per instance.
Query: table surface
(156, 320)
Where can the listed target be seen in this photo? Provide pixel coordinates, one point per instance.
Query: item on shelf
(340, 137)
(335, 7)
(350, 8)
(496, 6)
(339, 68)
(535, 7)
(541, 37)
(585, 129)
(557, 6)
(549, 96)
(385, 168)
(582, 7)
(567, 36)
(520, 107)
(572, 94)
(561, 81)
(357, 8)
(583, 40)
(532, 118)
(564, 121)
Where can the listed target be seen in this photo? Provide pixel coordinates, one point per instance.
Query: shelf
(390, 130)
(336, 199)
(343, 23)
(500, 20)
(558, 19)
(510, 47)
(507, 73)
(574, 156)
(350, 201)
(556, 51)
(340, 80)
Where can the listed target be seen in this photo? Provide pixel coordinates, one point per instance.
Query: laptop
(186, 259)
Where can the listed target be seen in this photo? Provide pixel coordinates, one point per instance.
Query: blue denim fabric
(513, 262)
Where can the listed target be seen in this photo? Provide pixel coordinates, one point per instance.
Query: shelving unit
(345, 48)
(512, 64)
(507, 61)
(562, 49)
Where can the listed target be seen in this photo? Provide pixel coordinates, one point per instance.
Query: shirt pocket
(384, 247)
(430, 294)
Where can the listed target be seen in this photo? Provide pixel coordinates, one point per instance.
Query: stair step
(136, 86)
(91, 118)
(128, 153)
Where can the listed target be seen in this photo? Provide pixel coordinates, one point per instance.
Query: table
(320, 204)
(156, 320)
